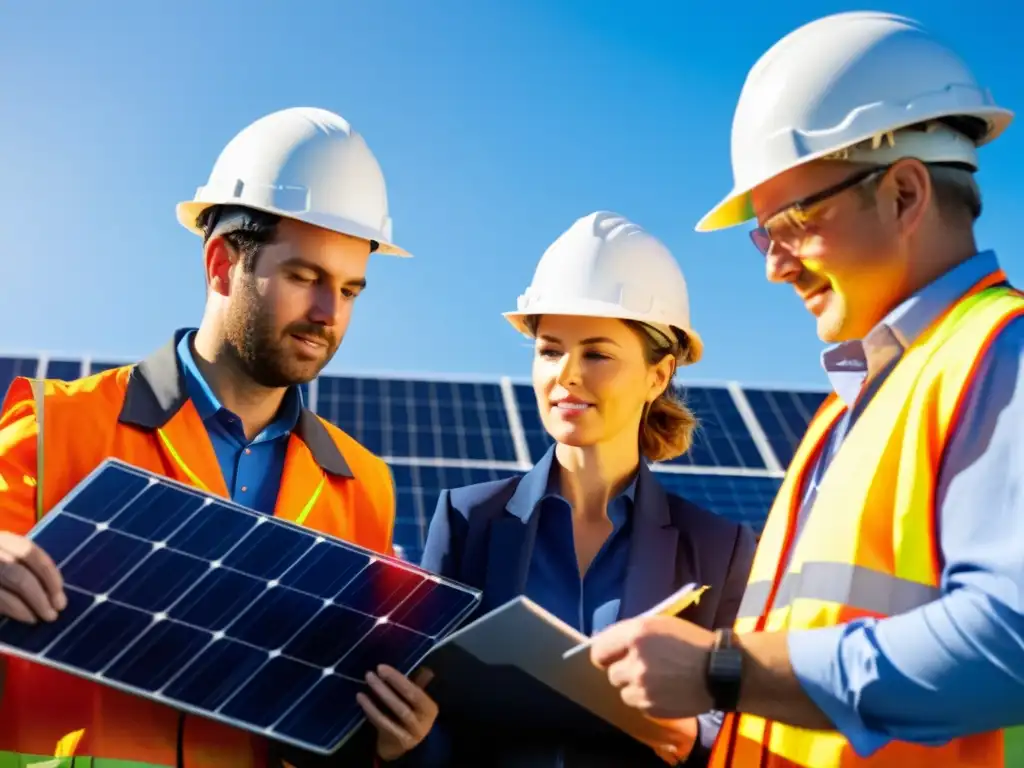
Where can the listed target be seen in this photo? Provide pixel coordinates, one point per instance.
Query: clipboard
(520, 668)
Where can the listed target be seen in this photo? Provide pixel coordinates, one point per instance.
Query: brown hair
(667, 425)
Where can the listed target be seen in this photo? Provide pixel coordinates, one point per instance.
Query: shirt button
(244, 489)
(248, 451)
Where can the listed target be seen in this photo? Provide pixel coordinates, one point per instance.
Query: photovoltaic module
(188, 599)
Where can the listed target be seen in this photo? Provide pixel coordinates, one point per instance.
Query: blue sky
(497, 123)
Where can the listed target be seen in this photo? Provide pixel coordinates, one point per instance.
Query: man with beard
(294, 206)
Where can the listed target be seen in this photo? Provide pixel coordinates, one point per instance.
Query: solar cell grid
(722, 438)
(743, 499)
(416, 491)
(11, 367)
(65, 370)
(784, 416)
(412, 418)
(212, 608)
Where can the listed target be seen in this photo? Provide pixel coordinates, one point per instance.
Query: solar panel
(185, 598)
(784, 416)
(64, 370)
(416, 490)
(741, 498)
(426, 419)
(98, 366)
(721, 441)
(10, 367)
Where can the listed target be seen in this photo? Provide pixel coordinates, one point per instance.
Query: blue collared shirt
(252, 468)
(954, 666)
(591, 603)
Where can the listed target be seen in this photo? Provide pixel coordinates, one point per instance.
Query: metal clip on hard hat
(606, 266)
(843, 81)
(305, 164)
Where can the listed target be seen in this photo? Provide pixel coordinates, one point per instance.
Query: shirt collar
(849, 363)
(542, 483)
(208, 405)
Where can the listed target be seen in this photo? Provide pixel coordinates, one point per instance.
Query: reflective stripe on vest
(853, 585)
(869, 547)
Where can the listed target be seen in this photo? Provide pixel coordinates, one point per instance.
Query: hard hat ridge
(605, 265)
(302, 163)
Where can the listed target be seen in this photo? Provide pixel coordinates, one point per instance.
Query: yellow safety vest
(869, 547)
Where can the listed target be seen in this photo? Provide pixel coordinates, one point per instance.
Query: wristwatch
(725, 665)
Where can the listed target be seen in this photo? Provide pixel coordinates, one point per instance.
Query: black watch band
(725, 666)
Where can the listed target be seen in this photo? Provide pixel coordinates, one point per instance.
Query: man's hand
(413, 711)
(658, 663)
(31, 587)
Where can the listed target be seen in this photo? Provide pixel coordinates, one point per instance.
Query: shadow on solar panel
(186, 598)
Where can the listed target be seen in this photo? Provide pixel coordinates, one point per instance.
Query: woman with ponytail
(589, 533)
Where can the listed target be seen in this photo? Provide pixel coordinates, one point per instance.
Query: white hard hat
(306, 164)
(606, 266)
(844, 80)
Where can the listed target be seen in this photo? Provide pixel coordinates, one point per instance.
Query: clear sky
(497, 123)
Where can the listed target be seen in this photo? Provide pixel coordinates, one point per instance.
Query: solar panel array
(439, 433)
(199, 603)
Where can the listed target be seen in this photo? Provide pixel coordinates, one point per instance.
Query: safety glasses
(793, 223)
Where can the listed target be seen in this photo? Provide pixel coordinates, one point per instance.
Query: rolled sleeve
(954, 666)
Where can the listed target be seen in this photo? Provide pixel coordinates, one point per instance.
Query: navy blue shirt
(591, 603)
(251, 468)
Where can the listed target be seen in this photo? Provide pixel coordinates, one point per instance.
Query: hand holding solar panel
(180, 596)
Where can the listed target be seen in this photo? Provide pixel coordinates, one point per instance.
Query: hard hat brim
(737, 207)
(188, 212)
(591, 308)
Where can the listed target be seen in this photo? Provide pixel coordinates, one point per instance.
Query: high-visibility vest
(84, 423)
(869, 547)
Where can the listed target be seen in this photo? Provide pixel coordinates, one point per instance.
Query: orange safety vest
(142, 414)
(869, 547)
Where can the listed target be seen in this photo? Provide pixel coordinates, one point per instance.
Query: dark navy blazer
(475, 538)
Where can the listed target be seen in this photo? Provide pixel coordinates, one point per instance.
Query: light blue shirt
(252, 468)
(955, 666)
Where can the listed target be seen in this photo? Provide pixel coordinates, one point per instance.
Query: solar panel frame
(272, 662)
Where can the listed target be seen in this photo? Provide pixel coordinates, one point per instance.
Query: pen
(670, 606)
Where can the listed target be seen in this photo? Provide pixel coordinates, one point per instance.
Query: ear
(219, 257)
(661, 377)
(910, 192)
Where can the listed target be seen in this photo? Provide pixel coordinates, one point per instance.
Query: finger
(13, 606)
(667, 754)
(423, 677)
(611, 644)
(42, 565)
(399, 708)
(410, 691)
(382, 722)
(620, 673)
(16, 578)
(17, 549)
(635, 697)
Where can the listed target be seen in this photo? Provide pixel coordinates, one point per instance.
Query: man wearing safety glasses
(883, 622)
